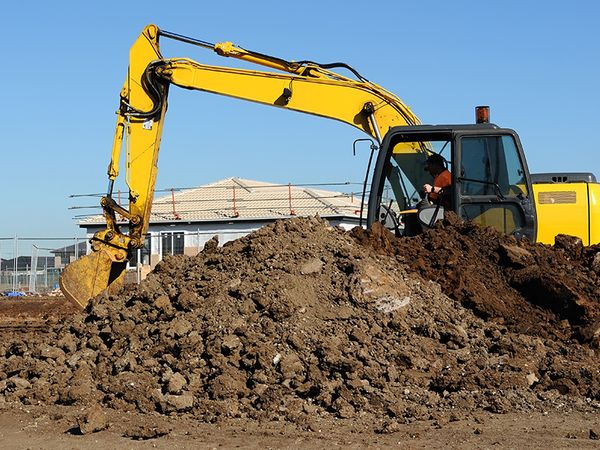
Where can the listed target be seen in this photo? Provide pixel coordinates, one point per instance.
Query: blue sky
(537, 64)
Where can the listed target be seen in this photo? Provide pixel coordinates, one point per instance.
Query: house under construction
(184, 220)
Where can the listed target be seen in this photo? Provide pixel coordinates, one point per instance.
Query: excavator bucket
(87, 277)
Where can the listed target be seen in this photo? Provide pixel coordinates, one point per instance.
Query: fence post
(15, 274)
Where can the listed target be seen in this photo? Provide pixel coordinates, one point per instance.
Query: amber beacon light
(482, 114)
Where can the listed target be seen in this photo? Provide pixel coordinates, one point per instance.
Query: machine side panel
(562, 208)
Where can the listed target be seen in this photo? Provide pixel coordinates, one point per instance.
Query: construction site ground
(25, 314)
(302, 335)
(53, 428)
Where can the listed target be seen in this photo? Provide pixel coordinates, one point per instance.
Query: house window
(172, 243)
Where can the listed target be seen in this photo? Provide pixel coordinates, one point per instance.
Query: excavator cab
(491, 185)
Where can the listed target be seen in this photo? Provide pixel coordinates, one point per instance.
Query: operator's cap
(435, 159)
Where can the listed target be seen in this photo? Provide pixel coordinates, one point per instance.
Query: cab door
(493, 187)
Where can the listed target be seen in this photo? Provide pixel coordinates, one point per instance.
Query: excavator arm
(301, 86)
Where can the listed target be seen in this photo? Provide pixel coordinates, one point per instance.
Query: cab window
(492, 182)
(491, 166)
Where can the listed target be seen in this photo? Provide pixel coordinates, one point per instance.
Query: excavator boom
(299, 86)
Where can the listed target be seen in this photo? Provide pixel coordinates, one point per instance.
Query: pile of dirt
(300, 320)
(542, 290)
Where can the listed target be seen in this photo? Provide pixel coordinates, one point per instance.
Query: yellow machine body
(568, 208)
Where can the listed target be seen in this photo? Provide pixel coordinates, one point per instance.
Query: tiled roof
(242, 199)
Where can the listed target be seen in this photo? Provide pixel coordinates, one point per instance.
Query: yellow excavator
(491, 183)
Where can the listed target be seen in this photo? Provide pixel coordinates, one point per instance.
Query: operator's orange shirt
(442, 180)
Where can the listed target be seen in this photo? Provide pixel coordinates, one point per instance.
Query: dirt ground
(56, 428)
(22, 314)
(305, 335)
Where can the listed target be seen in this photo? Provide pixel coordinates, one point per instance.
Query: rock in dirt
(92, 421)
(516, 255)
(572, 246)
(176, 383)
(183, 402)
(312, 266)
(145, 432)
(388, 427)
(18, 383)
(595, 265)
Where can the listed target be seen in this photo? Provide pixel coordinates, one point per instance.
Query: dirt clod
(92, 421)
(146, 431)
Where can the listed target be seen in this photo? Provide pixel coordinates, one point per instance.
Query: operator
(439, 192)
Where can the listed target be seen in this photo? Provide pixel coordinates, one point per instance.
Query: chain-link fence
(33, 265)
